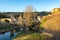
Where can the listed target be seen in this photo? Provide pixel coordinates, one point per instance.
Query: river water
(7, 36)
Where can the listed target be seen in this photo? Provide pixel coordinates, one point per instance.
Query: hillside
(52, 25)
(52, 22)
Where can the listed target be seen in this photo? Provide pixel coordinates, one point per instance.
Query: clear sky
(19, 5)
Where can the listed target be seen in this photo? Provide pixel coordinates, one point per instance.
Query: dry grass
(52, 25)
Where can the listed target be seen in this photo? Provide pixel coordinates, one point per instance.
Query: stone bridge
(6, 20)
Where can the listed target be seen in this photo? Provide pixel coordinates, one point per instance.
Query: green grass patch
(33, 36)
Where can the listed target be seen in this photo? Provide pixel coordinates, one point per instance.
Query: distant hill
(8, 14)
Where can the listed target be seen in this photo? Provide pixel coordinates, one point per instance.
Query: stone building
(55, 10)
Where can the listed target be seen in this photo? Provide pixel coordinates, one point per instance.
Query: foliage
(28, 17)
(43, 22)
(5, 26)
(44, 19)
(44, 13)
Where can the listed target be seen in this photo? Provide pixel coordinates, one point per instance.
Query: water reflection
(7, 36)
(11, 34)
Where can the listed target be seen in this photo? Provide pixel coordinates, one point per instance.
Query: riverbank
(5, 27)
(33, 36)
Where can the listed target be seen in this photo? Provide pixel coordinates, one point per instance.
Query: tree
(29, 15)
(44, 13)
(20, 20)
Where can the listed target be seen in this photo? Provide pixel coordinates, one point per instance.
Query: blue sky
(19, 5)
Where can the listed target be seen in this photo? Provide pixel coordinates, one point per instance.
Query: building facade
(55, 10)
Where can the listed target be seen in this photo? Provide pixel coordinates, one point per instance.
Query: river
(7, 36)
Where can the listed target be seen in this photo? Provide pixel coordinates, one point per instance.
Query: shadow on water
(7, 36)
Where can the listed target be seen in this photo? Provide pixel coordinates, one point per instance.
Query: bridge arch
(6, 20)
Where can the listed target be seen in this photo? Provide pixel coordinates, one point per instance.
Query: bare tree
(20, 20)
(29, 15)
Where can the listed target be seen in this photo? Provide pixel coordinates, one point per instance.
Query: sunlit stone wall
(55, 10)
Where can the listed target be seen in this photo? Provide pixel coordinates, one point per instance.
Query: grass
(33, 36)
